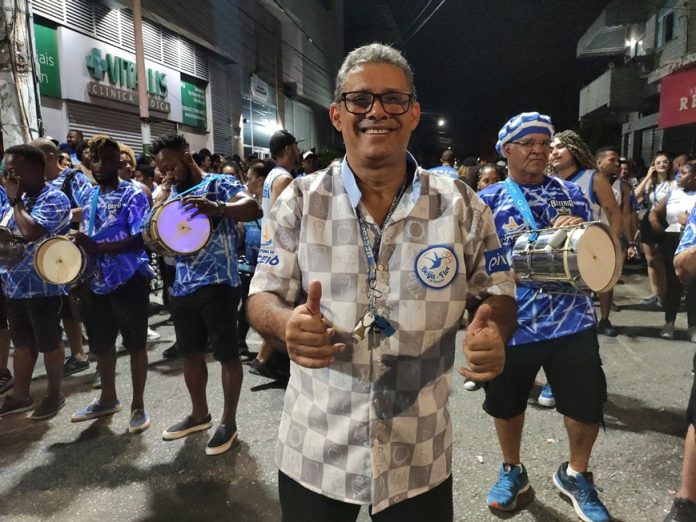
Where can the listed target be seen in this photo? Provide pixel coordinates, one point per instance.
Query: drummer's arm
(242, 207)
(605, 196)
(658, 216)
(76, 215)
(30, 229)
(685, 265)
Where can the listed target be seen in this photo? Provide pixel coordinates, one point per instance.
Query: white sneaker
(152, 335)
(546, 398)
(667, 331)
(692, 334)
(470, 385)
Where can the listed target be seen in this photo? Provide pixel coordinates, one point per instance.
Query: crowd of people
(357, 277)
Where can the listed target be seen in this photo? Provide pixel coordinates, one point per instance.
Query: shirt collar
(354, 193)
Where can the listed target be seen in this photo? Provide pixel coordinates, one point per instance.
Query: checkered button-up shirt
(374, 426)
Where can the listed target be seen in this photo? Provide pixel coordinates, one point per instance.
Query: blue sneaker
(546, 397)
(511, 483)
(582, 493)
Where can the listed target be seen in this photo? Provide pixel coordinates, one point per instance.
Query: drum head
(598, 259)
(58, 261)
(179, 231)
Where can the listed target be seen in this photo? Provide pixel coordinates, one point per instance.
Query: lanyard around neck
(93, 211)
(521, 203)
(372, 252)
(207, 179)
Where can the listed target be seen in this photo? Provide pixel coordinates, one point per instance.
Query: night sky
(478, 62)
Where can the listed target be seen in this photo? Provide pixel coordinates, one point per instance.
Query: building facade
(226, 74)
(650, 84)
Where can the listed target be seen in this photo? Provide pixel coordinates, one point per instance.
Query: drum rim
(154, 240)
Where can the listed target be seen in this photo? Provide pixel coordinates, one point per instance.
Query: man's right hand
(308, 336)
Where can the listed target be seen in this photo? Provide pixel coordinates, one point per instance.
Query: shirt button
(380, 267)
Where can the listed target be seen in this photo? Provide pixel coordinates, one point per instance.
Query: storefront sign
(260, 90)
(193, 103)
(47, 59)
(678, 99)
(96, 72)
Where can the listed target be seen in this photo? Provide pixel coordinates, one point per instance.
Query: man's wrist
(222, 206)
(15, 201)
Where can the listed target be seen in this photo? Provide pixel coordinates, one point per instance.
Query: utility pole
(18, 110)
(143, 100)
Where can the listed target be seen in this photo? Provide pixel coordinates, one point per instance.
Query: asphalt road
(97, 471)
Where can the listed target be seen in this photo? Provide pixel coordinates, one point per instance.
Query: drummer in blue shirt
(33, 211)
(205, 294)
(116, 296)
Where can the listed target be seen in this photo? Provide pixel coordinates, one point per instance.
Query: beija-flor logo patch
(436, 266)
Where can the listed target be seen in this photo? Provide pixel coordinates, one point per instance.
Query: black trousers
(299, 504)
(674, 287)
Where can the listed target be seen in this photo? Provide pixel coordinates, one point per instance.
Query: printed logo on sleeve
(496, 261)
(436, 266)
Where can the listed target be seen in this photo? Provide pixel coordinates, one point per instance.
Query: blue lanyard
(207, 179)
(520, 203)
(93, 211)
(373, 252)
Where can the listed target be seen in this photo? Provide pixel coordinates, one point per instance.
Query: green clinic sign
(47, 58)
(193, 104)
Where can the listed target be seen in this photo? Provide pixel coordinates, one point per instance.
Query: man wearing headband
(572, 160)
(556, 326)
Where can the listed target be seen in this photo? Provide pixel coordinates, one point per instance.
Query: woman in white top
(656, 184)
(669, 217)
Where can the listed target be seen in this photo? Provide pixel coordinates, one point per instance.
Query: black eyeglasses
(361, 102)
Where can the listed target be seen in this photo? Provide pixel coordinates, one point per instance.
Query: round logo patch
(436, 266)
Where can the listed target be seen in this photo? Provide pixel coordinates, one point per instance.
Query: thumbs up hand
(484, 348)
(308, 335)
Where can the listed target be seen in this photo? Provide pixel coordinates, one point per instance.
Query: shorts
(207, 315)
(124, 310)
(35, 322)
(691, 409)
(573, 369)
(3, 313)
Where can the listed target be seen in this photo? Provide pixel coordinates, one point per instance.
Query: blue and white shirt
(216, 264)
(76, 188)
(541, 315)
(688, 238)
(252, 240)
(51, 210)
(445, 170)
(119, 214)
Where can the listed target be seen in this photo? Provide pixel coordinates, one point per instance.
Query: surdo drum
(59, 261)
(172, 231)
(585, 255)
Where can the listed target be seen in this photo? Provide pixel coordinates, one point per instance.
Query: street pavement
(57, 470)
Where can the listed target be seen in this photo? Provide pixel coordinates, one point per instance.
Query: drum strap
(521, 203)
(6, 220)
(93, 211)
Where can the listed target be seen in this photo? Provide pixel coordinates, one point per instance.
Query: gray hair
(372, 53)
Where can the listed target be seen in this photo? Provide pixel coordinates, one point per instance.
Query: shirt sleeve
(228, 187)
(138, 209)
(81, 188)
(688, 238)
(487, 269)
(277, 267)
(52, 211)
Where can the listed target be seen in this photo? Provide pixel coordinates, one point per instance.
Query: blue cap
(522, 125)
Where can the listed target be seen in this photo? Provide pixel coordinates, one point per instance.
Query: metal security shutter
(121, 126)
(220, 93)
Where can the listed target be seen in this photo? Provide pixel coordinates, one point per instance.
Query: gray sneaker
(667, 331)
(139, 421)
(96, 409)
(48, 408)
(12, 405)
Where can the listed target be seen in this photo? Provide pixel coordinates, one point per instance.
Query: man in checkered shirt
(364, 273)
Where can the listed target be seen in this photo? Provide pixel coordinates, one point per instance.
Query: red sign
(678, 99)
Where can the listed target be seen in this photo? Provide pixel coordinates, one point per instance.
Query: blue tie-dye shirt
(78, 186)
(51, 210)
(120, 213)
(541, 315)
(216, 264)
(688, 238)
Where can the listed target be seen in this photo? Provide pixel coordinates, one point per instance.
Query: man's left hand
(13, 186)
(567, 221)
(201, 205)
(83, 240)
(484, 348)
